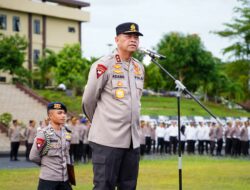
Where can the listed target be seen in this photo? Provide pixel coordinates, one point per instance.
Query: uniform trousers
(167, 144)
(244, 148)
(153, 145)
(201, 147)
(228, 148)
(191, 146)
(29, 146)
(53, 185)
(173, 144)
(14, 146)
(87, 152)
(115, 167)
(148, 145)
(160, 144)
(207, 145)
(235, 147)
(183, 146)
(142, 149)
(212, 147)
(219, 147)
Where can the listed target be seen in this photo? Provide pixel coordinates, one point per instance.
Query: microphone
(151, 53)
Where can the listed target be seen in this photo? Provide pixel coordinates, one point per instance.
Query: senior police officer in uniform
(50, 150)
(111, 101)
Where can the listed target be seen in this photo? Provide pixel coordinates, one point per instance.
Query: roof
(73, 3)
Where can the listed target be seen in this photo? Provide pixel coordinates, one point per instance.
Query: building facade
(45, 24)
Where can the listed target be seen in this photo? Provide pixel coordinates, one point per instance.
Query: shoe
(16, 159)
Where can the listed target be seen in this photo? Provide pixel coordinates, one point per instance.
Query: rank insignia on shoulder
(118, 71)
(39, 143)
(117, 66)
(119, 93)
(100, 70)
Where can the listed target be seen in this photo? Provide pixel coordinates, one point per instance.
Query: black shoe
(16, 159)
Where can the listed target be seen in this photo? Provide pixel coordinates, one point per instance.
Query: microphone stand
(180, 89)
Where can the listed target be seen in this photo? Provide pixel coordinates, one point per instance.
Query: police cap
(56, 106)
(128, 28)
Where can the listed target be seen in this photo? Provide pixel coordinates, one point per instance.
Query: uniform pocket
(119, 89)
(139, 87)
(99, 165)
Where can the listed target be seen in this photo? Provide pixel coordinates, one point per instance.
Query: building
(45, 23)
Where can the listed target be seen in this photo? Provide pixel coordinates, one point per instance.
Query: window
(3, 22)
(16, 24)
(2, 79)
(36, 56)
(72, 29)
(37, 27)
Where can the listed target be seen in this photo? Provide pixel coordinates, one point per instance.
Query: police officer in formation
(14, 134)
(50, 150)
(111, 101)
(30, 134)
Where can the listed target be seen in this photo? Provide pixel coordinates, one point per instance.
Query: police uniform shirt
(206, 131)
(166, 134)
(191, 133)
(54, 162)
(111, 101)
(244, 134)
(201, 132)
(14, 133)
(160, 132)
(75, 134)
(173, 131)
(142, 136)
(31, 134)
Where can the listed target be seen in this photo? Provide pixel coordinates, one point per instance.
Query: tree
(12, 56)
(239, 32)
(153, 78)
(70, 67)
(45, 64)
(187, 60)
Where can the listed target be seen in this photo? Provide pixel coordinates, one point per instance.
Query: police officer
(111, 101)
(51, 150)
(14, 134)
(31, 134)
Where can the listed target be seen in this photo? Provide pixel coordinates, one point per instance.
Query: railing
(35, 96)
(3, 129)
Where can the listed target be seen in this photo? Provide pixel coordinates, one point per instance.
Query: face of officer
(127, 42)
(57, 116)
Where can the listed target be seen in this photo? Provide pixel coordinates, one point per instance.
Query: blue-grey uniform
(51, 151)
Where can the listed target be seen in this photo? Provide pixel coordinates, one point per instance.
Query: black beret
(56, 106)
(128, 28)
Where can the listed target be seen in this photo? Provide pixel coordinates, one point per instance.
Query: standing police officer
(111, 101)
(51, 150)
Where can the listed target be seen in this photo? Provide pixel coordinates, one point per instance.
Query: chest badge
(118, 71)
(119, 83)
(117, 66)
(136, 69)
(119, 93)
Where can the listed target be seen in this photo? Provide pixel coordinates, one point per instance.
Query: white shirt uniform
(160, 132)
(191, 133)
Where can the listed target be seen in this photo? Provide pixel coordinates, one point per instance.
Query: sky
(156, 18)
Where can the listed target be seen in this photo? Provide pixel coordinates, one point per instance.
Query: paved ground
(5, 163)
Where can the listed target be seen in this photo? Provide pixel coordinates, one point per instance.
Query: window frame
(16, 24)
(4, 20)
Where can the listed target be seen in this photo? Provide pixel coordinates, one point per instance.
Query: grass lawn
(199, 173)
(151, 105)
